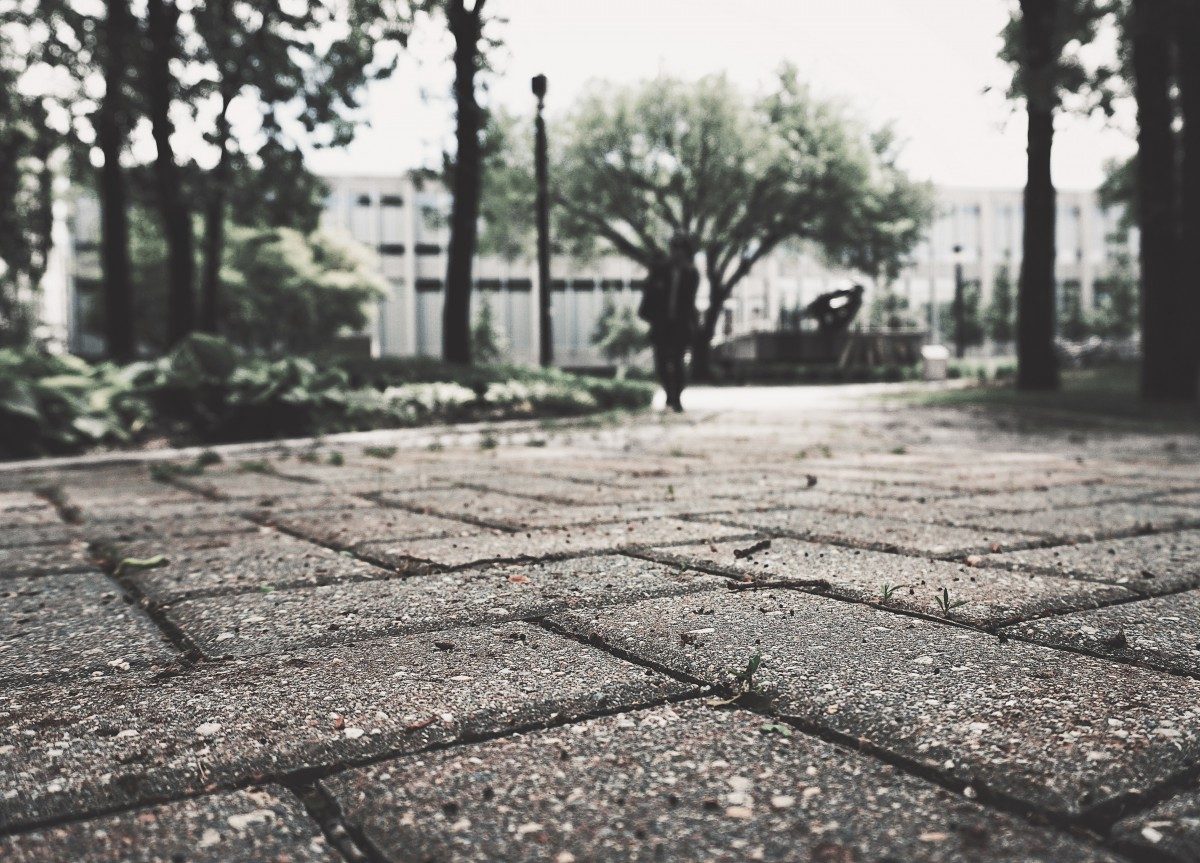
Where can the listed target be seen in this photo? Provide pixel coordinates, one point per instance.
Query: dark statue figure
(669, 307)
(835, 311)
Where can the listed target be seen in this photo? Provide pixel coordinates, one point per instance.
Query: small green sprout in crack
(336, 459)
(535, 442)
(207, 458)
(384, 452)
(435, 446)
(311, 456)
(256, 466)
(488, 440)
(947, 605)
(889, 589)
(136, 563)
(745, 684)
(899, 450)
(776, 728)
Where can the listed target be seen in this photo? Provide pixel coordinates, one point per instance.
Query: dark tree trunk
(114, 195)
(214, 230)
(1187, 41)
(1164, 354)
(161, 24)
(467, 27)
(1037, 365)
(702, 367)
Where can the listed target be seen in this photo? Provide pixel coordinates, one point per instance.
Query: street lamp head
(539, 86)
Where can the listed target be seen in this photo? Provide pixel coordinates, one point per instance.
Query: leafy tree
(27, 146)
(1073, 322)
(284, 291)
(275, 57)
(972, 330)
(1044, 42)
(738, 176)
(488, 345)
(998, 318)
(619, 334)
(1117, 300)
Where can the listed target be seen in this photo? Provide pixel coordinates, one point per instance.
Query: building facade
(404, 223)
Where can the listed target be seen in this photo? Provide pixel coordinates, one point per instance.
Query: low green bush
(207, 391)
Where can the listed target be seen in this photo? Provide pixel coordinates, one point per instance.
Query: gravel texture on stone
(1161, 631)
(1043, 498)
(45, 559)
(992, 597)
(173, 510)
(1151, 564)
(39, 516)
(486, 546)
(55, 626)
(287, 619)
(682, 782)
(236, 484)
(509, 512)
(349, 528)
(151, 526)
(1171, 828)
(258, 825)
(882, 534)
(1018, 718)
(82, 747)
(1081, 524)
(238, 563)
(46, 534)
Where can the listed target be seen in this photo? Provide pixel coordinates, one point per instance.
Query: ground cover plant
(207, 391)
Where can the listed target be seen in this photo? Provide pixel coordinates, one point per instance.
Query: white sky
(923, 64)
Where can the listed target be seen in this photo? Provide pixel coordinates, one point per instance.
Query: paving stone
(71, 624)
(264, 507)
(1018, 718)
(993, 597)
(884, 534)
(45, 559)
(38, 516)
(252, 826)
(509, 512)
(349, 528)
(126, 530)
(1163, 631)
(130, 485)
(237, 563)
(283, 620)
(79, 748)
(232, 484)
(1037, 499)
(484, 546)
(675, 782)
(1081, 524)
(165, 510)
(1157, 563)
(1171, 828)
(11, 501)
(47, 534)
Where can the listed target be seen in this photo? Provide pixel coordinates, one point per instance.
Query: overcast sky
(923, 64)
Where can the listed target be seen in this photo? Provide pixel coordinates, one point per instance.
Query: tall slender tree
(111, 123)
(160, 49)
(1043, 41)
(466, 22)
(1187, 47)
(1165, 358)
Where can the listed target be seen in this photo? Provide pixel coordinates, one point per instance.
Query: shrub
(55, 405)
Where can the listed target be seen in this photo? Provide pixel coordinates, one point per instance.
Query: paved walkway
(788, 626)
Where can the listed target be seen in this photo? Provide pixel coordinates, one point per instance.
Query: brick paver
(812, 628)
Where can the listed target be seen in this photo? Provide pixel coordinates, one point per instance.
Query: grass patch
(1088, 395)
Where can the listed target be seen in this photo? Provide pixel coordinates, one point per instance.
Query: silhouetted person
(835, 310)
(669, 307)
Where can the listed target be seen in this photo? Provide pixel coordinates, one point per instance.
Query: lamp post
(960, 332)
(545, 334)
